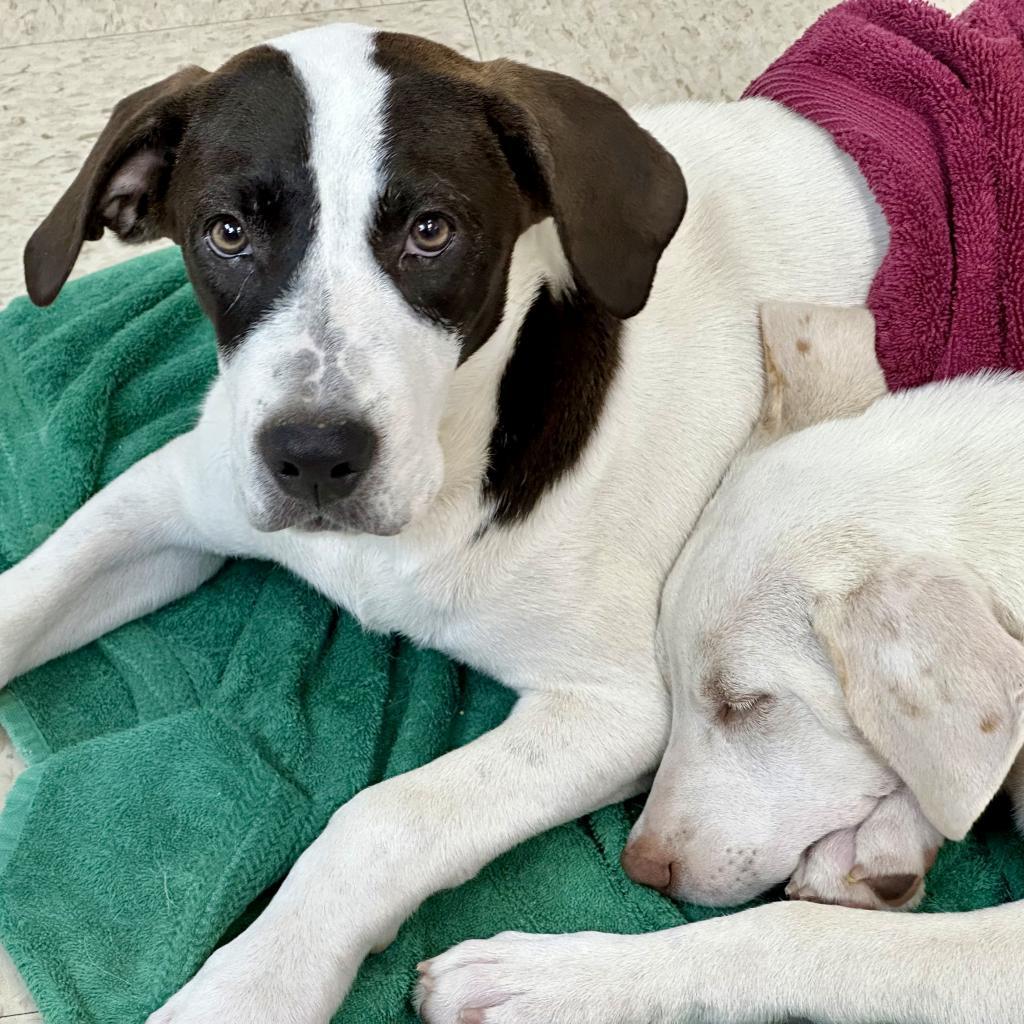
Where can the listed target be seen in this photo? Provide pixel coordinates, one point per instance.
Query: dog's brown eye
(227, 237)
(430, 235)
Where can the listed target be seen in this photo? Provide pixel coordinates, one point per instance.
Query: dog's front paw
(531, 979)
(825, 875)
(868, 867)
(247, 982)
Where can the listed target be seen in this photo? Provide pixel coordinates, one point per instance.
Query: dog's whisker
(241, 288)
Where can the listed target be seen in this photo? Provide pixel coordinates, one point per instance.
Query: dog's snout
(649, 862)
(317, 462)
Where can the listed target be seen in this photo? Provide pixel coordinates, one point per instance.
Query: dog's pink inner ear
(126, 194)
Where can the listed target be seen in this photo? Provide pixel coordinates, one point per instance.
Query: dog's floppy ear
(820, 364)
(617, 196)
(933, 681)
(119, 186)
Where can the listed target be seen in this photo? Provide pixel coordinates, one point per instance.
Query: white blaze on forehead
(347, 94)
(380, 337)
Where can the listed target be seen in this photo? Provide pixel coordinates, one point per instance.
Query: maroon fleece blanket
(932, 109)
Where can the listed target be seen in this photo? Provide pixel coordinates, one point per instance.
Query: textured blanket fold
(181, 763)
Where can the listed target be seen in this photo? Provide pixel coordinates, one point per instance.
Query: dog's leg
(774, 962)
(127, 551)
(557, 756)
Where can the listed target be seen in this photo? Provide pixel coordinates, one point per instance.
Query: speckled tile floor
(64, 63)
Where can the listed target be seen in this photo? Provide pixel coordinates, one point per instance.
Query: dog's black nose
(317, 462)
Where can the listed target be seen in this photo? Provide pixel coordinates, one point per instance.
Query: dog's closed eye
(732, 706)
(736, 709)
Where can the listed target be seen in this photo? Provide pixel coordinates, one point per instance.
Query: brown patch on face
(445, 159)
(246, 152)
(182, 152)
(616, 195)
(803, 346)
(397, 49)
(990, 723)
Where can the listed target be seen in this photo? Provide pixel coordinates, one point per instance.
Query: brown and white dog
(455, 396)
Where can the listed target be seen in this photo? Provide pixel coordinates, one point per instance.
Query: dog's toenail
(471, 1017)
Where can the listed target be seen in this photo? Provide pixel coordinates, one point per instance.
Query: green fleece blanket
(180, 764)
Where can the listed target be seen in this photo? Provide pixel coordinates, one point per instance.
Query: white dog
(454, 396)
(843, 637)
(848, 613)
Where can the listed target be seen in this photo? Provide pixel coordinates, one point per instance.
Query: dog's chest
(522, 613)
(420, 594)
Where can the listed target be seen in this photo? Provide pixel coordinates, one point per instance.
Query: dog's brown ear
(120, 184)
(819, 363)
(934, 682)
(617, 196)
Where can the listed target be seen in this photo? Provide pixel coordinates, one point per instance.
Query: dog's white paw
(244, 983)
(531, 979)
(824, 874)
(873, 867)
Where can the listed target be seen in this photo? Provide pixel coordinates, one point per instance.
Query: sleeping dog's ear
(616, 195)
(120, 185)
(819, 363)
(933, 680)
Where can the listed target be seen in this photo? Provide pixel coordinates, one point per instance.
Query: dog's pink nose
(648, 862)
